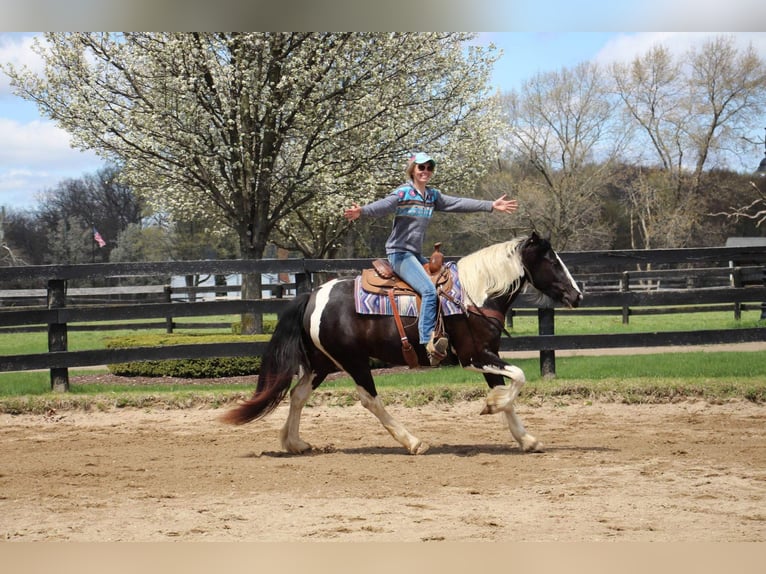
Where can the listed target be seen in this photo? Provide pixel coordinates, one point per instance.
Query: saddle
(381, 279)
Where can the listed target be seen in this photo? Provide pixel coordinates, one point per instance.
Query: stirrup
(437, 350)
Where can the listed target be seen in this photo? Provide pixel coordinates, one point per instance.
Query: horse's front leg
(501, 398)
(495, 371)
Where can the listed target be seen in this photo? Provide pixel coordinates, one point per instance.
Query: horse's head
(547, 273)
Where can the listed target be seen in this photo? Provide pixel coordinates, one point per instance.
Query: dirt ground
(686, 471)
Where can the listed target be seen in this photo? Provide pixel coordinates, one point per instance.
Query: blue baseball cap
(422, 157)
(418, 158)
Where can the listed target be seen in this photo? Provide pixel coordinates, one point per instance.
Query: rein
(474, 309)
(484, 312)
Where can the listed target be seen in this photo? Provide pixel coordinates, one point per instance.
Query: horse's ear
(533, 238)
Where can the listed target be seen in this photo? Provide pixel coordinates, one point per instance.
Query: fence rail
(738, 274)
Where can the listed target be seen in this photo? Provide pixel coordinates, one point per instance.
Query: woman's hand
(505, 205)
(353, 212)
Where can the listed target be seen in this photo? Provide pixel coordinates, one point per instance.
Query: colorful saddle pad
(375, 304)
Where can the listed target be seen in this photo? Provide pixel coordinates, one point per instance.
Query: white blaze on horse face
(569, 275)
(321, 299)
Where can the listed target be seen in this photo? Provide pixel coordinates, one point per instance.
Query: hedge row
(184, 368)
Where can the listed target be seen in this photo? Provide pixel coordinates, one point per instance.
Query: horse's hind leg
(365, 387)
(501, 399)
(289, 435)
(373, 404)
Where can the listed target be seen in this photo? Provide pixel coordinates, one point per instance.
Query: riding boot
(437, 350)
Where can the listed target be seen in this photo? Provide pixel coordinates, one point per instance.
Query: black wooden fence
(713, 279)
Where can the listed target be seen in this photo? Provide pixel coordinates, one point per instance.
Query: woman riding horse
(413, 205)
(321, 332)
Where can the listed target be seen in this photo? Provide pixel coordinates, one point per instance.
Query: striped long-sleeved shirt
(413, 214)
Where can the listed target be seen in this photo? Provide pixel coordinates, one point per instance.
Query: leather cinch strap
(409, 353)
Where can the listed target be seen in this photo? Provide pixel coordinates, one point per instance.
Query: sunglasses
(425, 166)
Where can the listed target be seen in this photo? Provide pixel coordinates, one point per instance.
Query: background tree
(60, 228)
(72, 210)
(563, 143)
(742, 211)
(249, 128)
(17, 238)
(689, 110)
(160, 238)
(142, 242)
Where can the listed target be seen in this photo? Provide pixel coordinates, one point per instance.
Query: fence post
(303, 283)
(278, 292)
(736, 277)
(168, 299)
(624, 288)
(763, 304)
(57, 334)
(545, 326)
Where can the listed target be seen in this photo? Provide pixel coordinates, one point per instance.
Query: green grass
(568, 323)
(714, 377)
(686, 365)
(651, 377)
(37, 342)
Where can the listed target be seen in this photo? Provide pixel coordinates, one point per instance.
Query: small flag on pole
(98, 238)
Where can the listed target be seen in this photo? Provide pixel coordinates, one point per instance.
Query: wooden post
(624, 288)
(169, 318)
(736, 277)
(57, 334)
(545, 326)
(277, 292)
(763, 304)
(302, 283)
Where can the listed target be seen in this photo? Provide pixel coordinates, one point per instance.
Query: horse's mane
(491, 271)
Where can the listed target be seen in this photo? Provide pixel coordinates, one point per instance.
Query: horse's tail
(284, 354)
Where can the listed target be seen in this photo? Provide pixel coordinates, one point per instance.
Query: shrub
(189, 368)
(184, 368)
(268, 326)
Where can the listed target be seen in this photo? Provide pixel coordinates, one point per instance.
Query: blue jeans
(409, 267)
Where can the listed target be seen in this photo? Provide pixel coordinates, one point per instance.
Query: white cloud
(35, 156)
(626, 47)
(20, 188)
(16, 49)
(39, 143)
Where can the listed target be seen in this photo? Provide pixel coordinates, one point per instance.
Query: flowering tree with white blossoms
(257, 129)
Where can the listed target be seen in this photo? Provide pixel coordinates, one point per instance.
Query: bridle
(489, 315)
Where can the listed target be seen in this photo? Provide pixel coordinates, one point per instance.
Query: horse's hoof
(419, 448)
(299, 448)
(531, 444)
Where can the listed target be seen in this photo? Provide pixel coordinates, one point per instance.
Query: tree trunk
(190, 281)
(252, 323)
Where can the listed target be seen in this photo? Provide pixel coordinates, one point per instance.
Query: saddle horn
(437, 259)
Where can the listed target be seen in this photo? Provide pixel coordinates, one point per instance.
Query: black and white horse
(322, 332)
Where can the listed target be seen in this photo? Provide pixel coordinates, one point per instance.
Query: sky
(35, 155)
